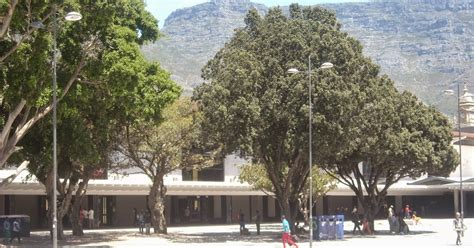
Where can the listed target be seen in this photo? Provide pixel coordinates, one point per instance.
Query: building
(215, 195)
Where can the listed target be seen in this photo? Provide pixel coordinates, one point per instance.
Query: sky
(162, 8)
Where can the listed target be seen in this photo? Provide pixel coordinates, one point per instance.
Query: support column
(217, 207)
(229, 209)
(271, 207)
(456, 200)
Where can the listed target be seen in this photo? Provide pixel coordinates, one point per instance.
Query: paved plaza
(430, 233)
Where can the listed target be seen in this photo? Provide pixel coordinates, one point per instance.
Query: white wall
(467, 162)
(174, 176)
(231, 167)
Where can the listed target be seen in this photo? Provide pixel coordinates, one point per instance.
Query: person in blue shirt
(286, 236)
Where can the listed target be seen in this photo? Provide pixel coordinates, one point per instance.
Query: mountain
(423, 45)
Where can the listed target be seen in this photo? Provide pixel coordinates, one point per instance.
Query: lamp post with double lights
(325, 65)
(71, 17)
(451, 92)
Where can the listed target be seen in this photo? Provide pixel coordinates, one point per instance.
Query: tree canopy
(158, 148)
(256, 108)
(101, 49)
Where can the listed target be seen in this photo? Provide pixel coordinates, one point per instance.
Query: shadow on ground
(41, 240)
(269, 234)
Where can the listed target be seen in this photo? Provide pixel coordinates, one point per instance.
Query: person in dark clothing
(147, 222)
(258, 220)
(241, 222)
(356, 221)
(403, 227)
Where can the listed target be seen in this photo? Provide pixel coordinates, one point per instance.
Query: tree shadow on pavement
(44, 240)
(267, 234)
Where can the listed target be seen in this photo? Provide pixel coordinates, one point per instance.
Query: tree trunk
(74, 216)
(156, 200)
(77, 226)
(49, 193)
(371, 205)
(289, 209)
(304, 208)
(64, 199)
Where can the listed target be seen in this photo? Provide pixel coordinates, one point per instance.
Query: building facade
(215, 195)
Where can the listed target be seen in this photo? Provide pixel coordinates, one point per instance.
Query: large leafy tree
(394, 136)
(158, 148)
(255, 107)
(115, 85)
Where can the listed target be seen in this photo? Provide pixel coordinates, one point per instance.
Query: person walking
(241, 222)
(135, 217)
(141, 221)
(90, 218)
(187, 214)
(459, 228)
(407, 212)
(6, 230)
(390, 218)
(16, 230)
(286, 236)
(147, 222)
(356, 221)
(258, 220)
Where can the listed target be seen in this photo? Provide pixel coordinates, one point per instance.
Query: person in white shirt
(90, 217)
(16, 230)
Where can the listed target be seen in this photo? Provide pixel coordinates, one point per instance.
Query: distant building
(466, 104)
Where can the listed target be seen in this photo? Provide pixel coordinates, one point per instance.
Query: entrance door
(107, 210)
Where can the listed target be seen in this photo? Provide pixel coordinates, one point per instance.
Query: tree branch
(6, 20)
(12, 177)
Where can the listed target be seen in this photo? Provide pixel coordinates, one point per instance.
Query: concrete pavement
(429, 233)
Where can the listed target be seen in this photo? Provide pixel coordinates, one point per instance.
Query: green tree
(394, 136)
(158, 148)
(25, 59)
(116, 85)
(253, 106)
(257, 177)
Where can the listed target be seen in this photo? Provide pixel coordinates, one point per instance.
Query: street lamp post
(326, 65)
(71, 17)
(451, 92)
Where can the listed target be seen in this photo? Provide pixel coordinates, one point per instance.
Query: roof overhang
(432, 181)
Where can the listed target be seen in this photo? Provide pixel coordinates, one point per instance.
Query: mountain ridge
(423, 45)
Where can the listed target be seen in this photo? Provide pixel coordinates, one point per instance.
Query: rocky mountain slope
(424, 45)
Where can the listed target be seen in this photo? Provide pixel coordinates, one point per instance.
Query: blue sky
(162, 8)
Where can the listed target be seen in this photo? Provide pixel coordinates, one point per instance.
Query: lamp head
(293, 71)
(326, 65)
(73, 16)
(37, 24)
(449, 92)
